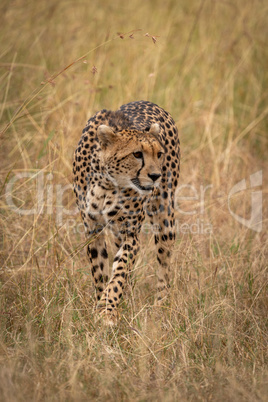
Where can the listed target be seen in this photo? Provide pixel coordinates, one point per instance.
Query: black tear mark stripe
(142, 166)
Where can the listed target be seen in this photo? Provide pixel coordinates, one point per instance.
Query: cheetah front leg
(122, 265)
(164, 241)
(162, 218)
(98, 257)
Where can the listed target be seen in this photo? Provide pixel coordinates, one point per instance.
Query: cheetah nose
(154, 176)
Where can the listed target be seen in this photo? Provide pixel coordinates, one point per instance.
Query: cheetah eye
(159, 154)
(138, 154)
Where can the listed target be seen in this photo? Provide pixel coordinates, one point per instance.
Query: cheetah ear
(106, 136)
(154, 129)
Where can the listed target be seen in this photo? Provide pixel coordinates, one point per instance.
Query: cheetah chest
(111, 209)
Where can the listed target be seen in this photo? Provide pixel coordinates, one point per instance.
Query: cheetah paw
(108, 317)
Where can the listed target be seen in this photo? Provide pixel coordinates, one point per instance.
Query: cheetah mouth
(136, 182)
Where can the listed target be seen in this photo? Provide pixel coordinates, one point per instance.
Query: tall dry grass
(206, 63)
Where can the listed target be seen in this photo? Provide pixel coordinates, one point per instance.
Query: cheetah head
(131, 158)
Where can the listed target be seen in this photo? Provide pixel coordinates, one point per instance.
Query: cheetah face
(132, 159)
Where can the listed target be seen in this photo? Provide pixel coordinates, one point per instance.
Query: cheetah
(126, 166)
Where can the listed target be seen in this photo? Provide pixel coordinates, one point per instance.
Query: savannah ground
(206, 63)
